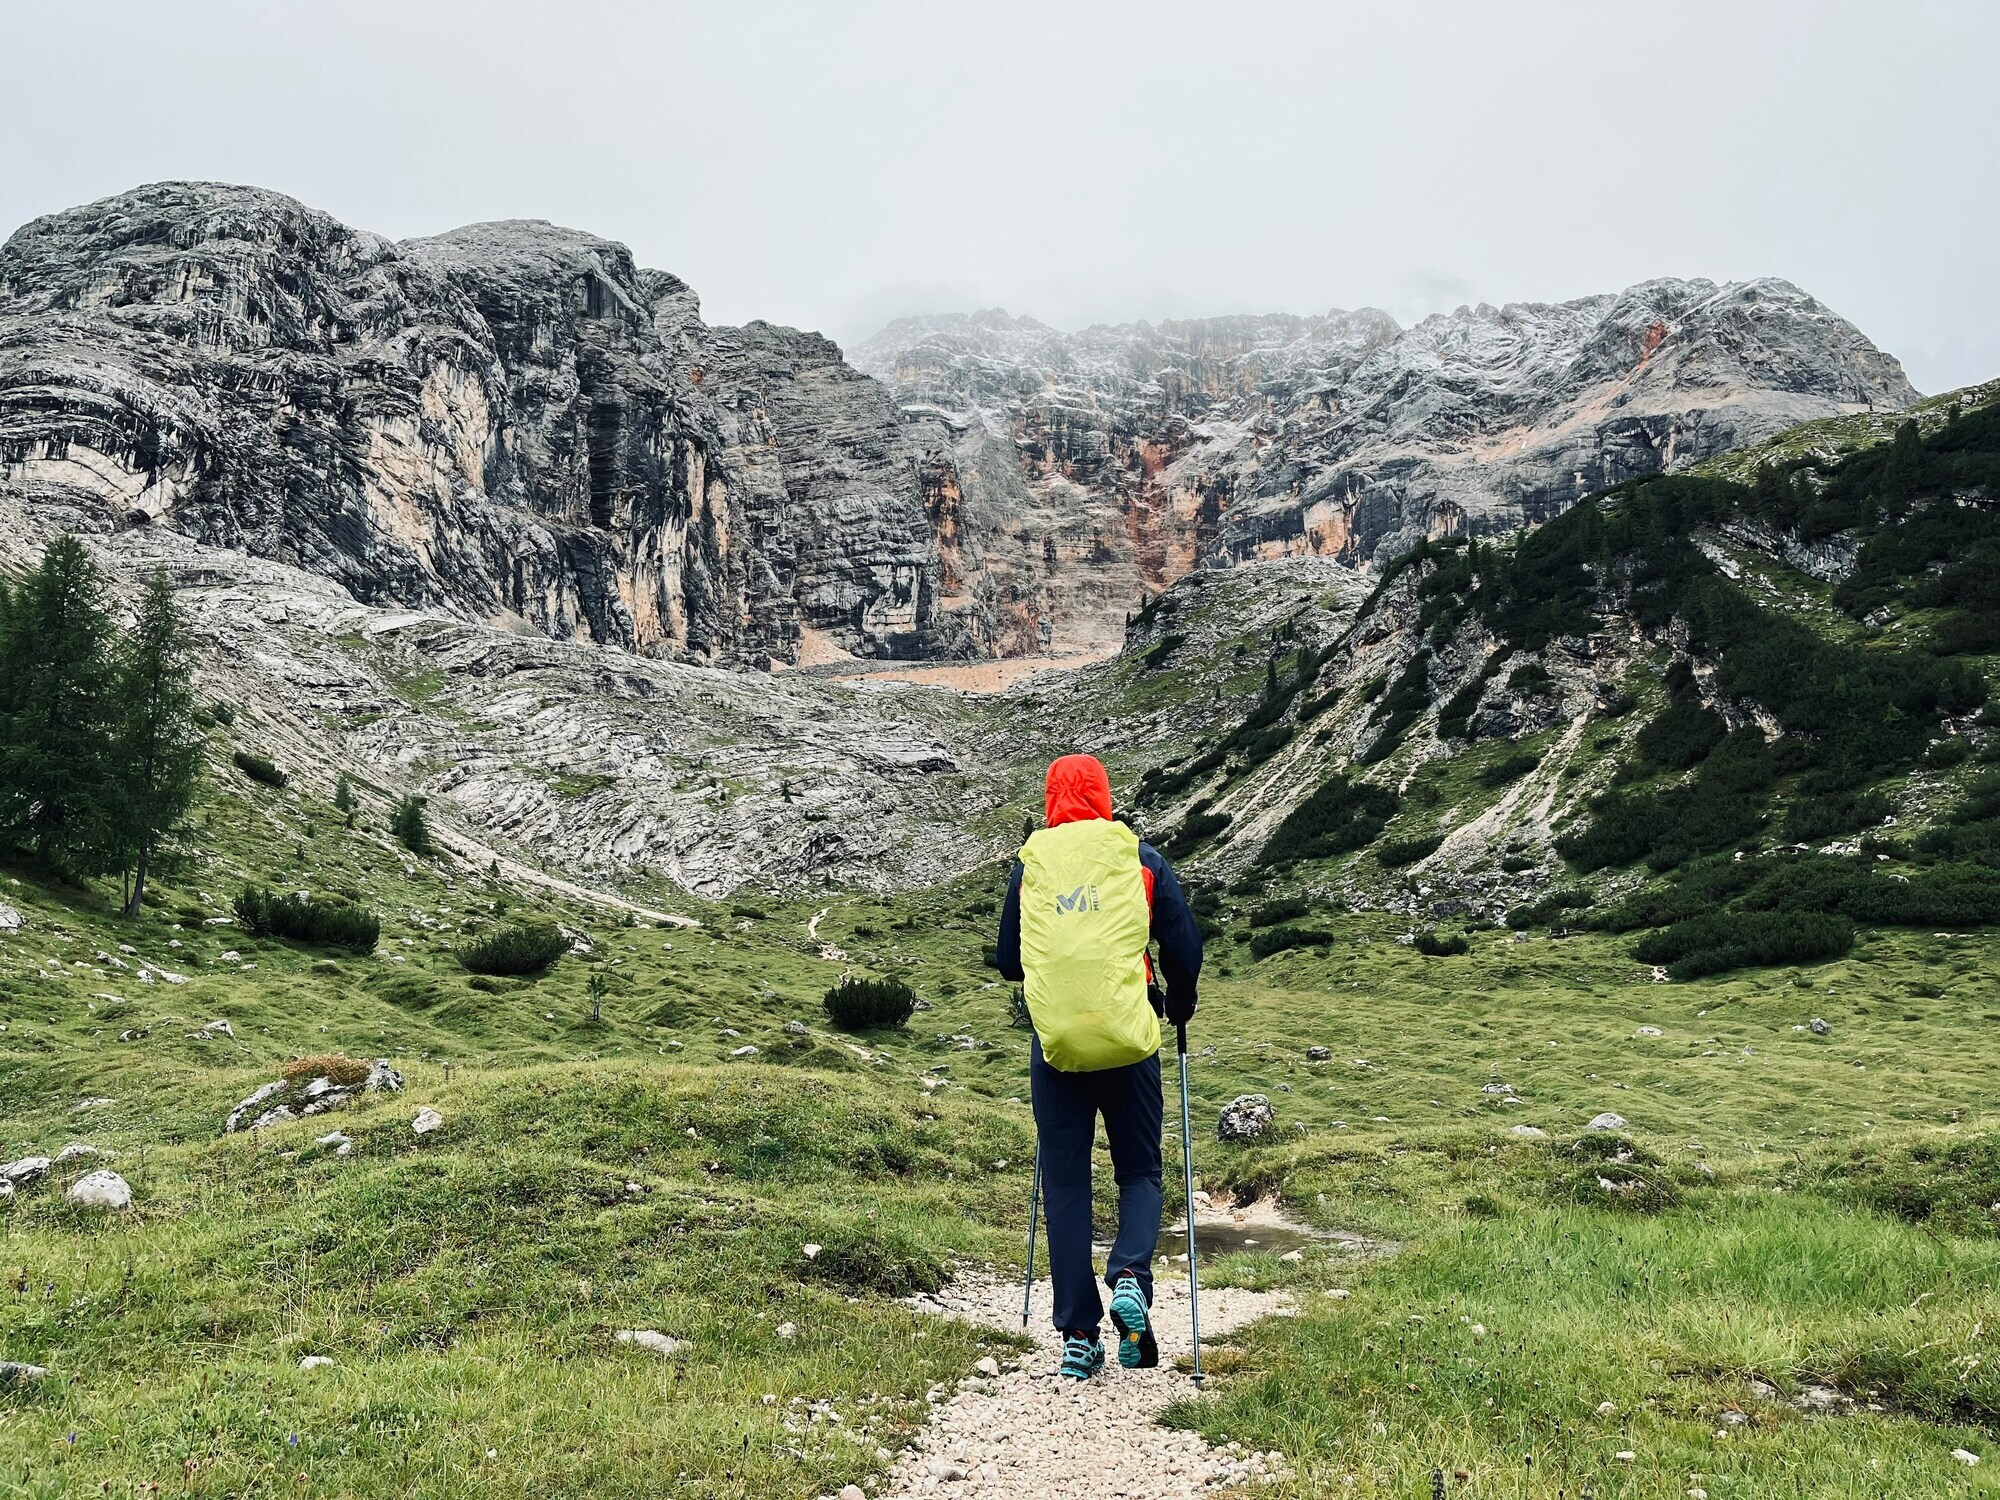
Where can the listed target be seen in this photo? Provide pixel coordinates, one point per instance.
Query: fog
(836, 165)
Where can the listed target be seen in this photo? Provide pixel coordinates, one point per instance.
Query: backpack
(1084, 924)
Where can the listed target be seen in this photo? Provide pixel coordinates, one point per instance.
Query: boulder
(1528, 1132)
(1247, 1117)
(11, 919)
(1319, 1054)
(77, 1151)
(1819, 1026)
(1607, 1121)
(427, 1120)
(26, 1172)
(14, 1374)
(100, 1190)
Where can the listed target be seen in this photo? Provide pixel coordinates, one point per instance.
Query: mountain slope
(510, 421)
(1146, 449)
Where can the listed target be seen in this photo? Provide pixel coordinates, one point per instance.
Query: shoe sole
(1129, 1314)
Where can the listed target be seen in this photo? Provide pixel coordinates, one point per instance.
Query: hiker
(1085, 897)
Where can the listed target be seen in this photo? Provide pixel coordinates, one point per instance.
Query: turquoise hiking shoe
(1137, 1348)
(1083, 1355)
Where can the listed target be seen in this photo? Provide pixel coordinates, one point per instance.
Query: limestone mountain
(1096, 464)
(511, 421)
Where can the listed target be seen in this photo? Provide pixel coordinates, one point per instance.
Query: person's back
(1084, 900)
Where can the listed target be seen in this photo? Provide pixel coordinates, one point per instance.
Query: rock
(1247, 1117)
(788, 1330)
(77, 1151)
(6, 1190)
(989, 1367)
(852, 1492)
(652, 1339)
(1970, 1460)
(427, 1120)
(1319, 1054)
(1527, 1132)
(316, 1362)
(1607, 1121)
(797, 1028)
(1297, 418)
(100, 1190)
(26, 1172)
(1293, 1256)
(623, 418)
(1649, 1031)
(1818, 1025)
(339, 1143)
(214, 1029)
(743, 1051)
(251, 1102)
(810, 1252)
(1497, 1088)
(1340, 1294)
(11, 921)
(14, 1374)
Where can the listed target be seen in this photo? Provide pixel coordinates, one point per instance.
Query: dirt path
(1027, 1433)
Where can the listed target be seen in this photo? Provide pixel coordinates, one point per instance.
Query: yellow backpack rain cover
(1084, 924)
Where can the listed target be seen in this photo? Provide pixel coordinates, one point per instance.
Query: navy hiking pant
(1066, 1109)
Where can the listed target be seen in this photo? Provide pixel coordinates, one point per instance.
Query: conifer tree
(158, 747)
(57, 785)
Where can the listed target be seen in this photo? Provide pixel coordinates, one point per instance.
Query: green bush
(1283, 909)
(1200, 826)
(857, 1004)
(1396, 853)
(260, 768)
(523, 948)
(1544, 911)
(1432, 945)
(1949, 1186)
(330, 924)
(1339, 817)
(1512, 768)
(1718, 941)
(1269, 940)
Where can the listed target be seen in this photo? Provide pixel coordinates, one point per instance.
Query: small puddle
(1257, 1229)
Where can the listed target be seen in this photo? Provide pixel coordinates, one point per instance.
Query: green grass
(469, 1284)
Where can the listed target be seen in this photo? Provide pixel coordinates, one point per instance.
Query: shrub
(1813, 818)
(1339, 817)
(524, 948)
(337, 1068)
(1547, 909)
(1196, 830)
(1433, 946)
(260, 768)
(1717, 941)
(1950, 1186)
(868, 1004)
(1269, 940)
(1514, 864)
(1513, 768)
(1395, 853)
(1283, 909)
(331, 924)
(407, 824)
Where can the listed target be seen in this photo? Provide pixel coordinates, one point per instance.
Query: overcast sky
(835, 164)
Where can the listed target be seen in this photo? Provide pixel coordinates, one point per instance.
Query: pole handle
(1180, 1038)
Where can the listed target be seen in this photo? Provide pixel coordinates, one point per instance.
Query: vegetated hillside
(1741, 717)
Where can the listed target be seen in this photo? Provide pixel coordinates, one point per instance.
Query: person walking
(1085, 898)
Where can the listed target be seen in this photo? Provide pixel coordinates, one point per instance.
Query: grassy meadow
(1788, 1212)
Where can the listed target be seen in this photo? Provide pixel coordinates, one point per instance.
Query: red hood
(1078, 789)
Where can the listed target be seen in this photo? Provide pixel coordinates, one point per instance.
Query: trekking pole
(1034, 1207)
(1187, 1178)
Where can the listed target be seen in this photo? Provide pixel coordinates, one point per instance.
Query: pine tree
(343, 798)
(408, 825)
(158, 747)
(57, 784)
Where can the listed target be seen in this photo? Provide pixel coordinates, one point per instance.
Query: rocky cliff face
(511, 421)
(1097, 464)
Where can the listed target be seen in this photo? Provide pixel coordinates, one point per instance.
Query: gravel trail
(1027, 1433)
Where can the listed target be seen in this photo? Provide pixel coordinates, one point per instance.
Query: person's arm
(1179, 937)
(1007, 951)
